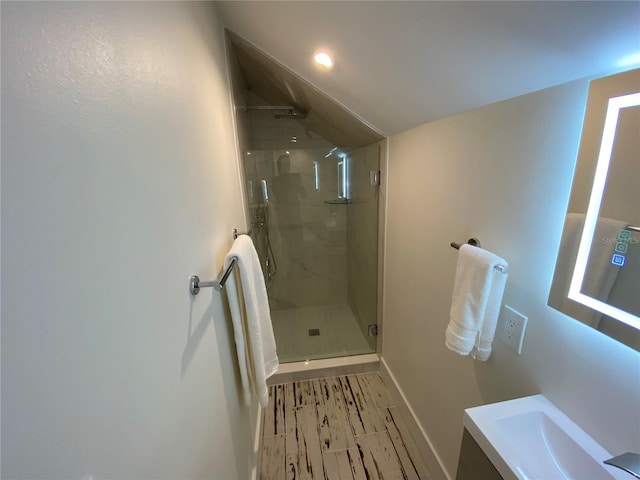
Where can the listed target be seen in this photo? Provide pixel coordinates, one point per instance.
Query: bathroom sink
(551, 452)
(529, 438)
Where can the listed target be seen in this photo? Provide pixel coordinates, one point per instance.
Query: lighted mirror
(597, 276)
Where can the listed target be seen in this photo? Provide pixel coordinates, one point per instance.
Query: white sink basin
(529, 438)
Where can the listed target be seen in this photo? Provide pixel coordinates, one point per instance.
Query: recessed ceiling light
(323, 59)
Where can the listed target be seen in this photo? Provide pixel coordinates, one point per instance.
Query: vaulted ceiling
(399, 64)
(260, 81)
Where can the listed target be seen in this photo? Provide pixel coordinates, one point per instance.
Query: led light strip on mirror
(593, 210)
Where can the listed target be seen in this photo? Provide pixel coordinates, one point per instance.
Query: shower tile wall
(308, 237)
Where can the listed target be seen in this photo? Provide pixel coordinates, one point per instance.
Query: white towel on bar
(475, 306)
(252, 328)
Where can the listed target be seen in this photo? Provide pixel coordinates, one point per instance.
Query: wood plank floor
(339, 428)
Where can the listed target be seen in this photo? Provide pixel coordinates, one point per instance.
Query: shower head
(291, 114)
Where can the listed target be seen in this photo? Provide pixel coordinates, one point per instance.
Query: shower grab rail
(194, 281)
(476, 243)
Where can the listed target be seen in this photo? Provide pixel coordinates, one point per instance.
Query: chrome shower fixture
(291, 114)
(286, 112)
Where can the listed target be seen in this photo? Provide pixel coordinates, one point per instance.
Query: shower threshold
(327, 367)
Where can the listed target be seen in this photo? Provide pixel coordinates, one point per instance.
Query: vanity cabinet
(473, 463)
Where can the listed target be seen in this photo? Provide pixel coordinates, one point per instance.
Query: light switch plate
(513, 327)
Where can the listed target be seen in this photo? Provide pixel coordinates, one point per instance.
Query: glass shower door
(362, 239)
(314, 214)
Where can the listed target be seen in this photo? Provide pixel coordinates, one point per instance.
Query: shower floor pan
(318, 332)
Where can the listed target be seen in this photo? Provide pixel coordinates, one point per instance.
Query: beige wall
(501, 173)
(119, 181)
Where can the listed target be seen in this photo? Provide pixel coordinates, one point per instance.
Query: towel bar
(194, 281)
(472, 241)
(236, 233)
(476, 243)
(195, 284)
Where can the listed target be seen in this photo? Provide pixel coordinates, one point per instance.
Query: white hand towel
(252, 328)
(475, 306)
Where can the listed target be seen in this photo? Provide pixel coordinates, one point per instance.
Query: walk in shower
(313, 199)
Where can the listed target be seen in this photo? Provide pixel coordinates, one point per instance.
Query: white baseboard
(256, 444)
(427, 454)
